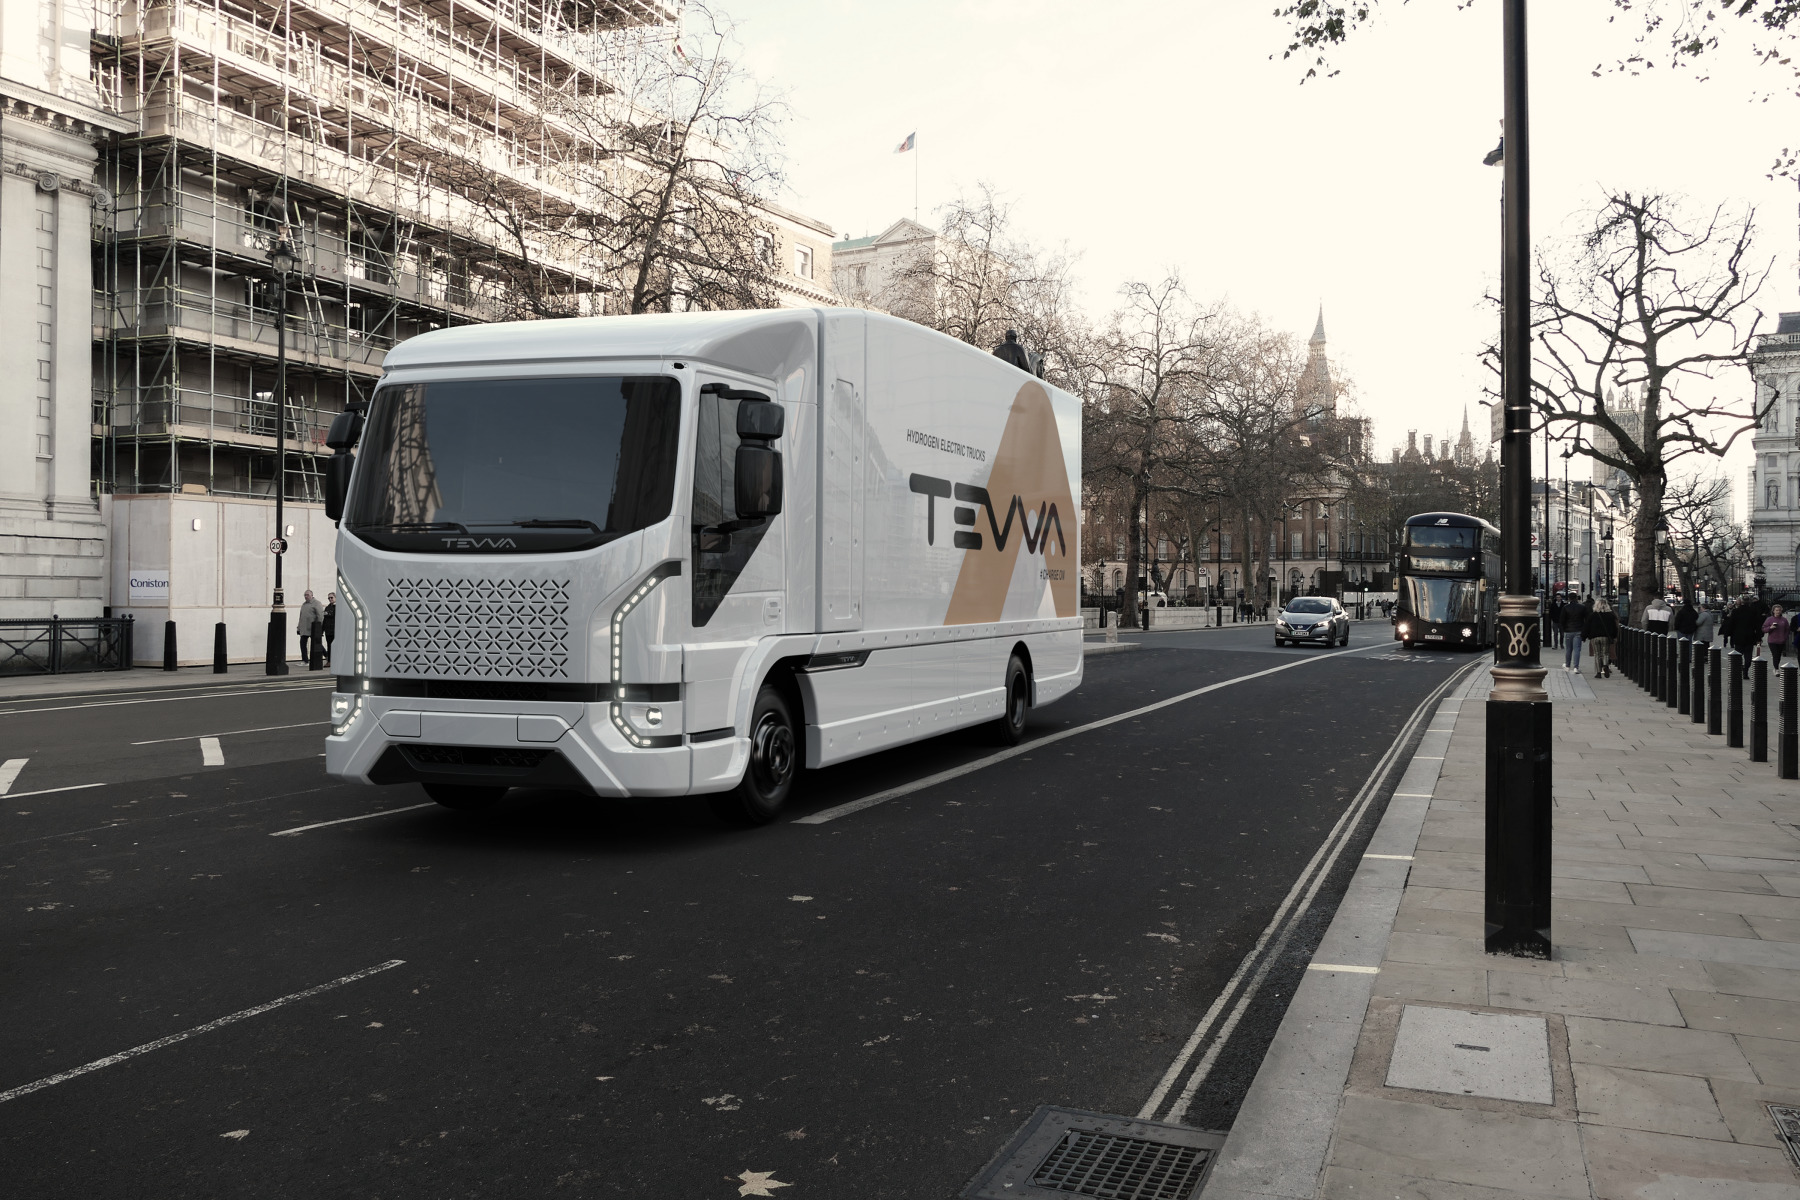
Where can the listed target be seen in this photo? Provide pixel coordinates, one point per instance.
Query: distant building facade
(1774, 479)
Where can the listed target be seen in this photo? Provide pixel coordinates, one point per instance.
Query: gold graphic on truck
(1030, 478)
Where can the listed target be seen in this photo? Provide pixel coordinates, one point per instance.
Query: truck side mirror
(346, 430)
(758, 481)
(762, 420)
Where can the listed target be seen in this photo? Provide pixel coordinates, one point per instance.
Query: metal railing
(56, 646)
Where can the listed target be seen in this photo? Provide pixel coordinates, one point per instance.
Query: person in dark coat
(1599, 631)
(1571, 621)
(1746, 630)
(1684, 622)
(1555, 613)
(330, 621)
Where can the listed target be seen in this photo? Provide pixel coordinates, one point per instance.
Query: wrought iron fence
(34, 646)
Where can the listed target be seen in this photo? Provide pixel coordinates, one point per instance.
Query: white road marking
(9, 771)
(387, 812)
(1395, 857)
(844, 810)
(211, 754)
(234, 732)
(159, 1043)
(17, 712)
(1343, 967)
(73, 787)
(1333, 846)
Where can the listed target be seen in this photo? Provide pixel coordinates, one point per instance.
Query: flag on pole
(903, 147)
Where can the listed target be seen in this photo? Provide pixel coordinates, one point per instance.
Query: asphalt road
(630, 999)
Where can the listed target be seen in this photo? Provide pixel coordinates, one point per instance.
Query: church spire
(1318, 336)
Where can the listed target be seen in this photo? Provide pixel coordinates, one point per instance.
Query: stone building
(1774, 479)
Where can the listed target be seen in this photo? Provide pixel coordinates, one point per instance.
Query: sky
(1171, 136)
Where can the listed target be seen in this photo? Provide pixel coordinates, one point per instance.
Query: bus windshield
(1442, 599)
(516, 465)
(1442, 537)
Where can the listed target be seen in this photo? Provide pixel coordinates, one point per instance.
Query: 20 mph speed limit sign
(277, 545)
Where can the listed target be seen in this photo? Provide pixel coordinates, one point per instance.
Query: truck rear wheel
(464, 797)
(774, 764)
(1011, 727)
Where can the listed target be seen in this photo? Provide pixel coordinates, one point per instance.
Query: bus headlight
(1403, 629)
(1467, 632)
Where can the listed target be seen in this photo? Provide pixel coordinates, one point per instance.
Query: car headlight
(1281, 624)
(1467, 632)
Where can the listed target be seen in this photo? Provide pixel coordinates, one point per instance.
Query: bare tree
(651, 190)
(1650, 298)
(978, 279)
(1705, 545)
(1144, 382)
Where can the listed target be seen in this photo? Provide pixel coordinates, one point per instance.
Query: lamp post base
(275, 660)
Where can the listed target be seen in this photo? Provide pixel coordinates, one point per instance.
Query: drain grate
(1065, 1152)
(1787, 1124)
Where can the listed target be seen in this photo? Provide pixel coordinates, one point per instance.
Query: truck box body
(928, 532)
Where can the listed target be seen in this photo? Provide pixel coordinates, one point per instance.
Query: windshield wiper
(415, 527)
(556, 523)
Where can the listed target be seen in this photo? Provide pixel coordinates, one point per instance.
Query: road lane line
(234, 732)
(386, 812)
(211, 753)
(73, 787)
(9, 771)
(854, 806)
(269, 691)
(159, 1043)
(1287, 915)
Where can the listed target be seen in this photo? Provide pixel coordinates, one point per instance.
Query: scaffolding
(335, 126)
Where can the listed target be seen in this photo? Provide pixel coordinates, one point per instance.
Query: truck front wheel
(1011, 727)
(774, 763)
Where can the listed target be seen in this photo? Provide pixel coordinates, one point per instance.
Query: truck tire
(774, 764)
(464, 797)
(1011, 726)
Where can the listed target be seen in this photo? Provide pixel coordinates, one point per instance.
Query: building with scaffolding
(347, 130)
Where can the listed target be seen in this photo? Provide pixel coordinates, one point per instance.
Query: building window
(765, 249)
(1162, 549)
(1225, 545)
(1321, 543)
(803, 262)
(1297, 545)
(862, 277)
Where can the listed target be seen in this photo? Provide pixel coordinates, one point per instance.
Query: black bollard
(1698, 689)
(1683, 673)
(1787, 756)
(168, 645)
(1656, 666)
(1734, 700)
(1675, 686)
(1715, 707)
(1759, 710)
(219, 648)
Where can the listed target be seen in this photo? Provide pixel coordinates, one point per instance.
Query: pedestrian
(1570, 621)
(311, 614)
(1685, 621)
(1776, 628)
(1599, 631)
(1746, 631)
(1657, 614)
(1555, 614)
(1705, 627)
(330, 621)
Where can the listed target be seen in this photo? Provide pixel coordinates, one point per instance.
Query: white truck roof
(765, 342)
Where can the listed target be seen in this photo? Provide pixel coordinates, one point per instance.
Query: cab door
(737, 574)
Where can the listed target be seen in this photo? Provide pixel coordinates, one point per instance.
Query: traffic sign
(1547, 556)
(278, 546)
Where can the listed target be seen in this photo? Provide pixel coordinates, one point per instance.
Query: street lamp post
(1568, 572)
(1606, 542)
(1517, 907)
(281, 258)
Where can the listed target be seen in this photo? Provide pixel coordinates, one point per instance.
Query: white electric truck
(666, 555)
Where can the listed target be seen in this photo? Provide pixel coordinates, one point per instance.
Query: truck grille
(478, 628)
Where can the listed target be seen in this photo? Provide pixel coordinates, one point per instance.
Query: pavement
(228, 974)
(1639, 1063)
(151, 679)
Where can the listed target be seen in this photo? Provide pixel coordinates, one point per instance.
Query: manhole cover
(1064, 1152)
(1787, 1124)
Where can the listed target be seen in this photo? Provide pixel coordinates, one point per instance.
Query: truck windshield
(516, 465)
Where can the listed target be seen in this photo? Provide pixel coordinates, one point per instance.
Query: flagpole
(915, 182)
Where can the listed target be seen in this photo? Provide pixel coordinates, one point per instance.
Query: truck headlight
(344, 710)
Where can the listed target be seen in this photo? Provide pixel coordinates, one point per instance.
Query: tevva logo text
(471, 543)
(1037, 539)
